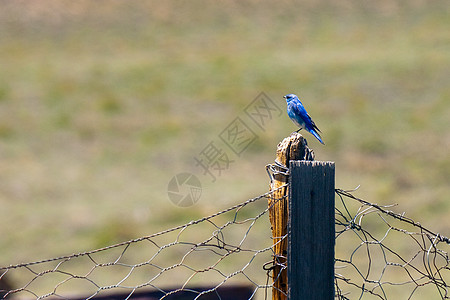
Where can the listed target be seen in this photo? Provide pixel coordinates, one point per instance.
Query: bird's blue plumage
(298, 114)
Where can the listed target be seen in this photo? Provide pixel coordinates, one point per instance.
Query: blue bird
(300, 116)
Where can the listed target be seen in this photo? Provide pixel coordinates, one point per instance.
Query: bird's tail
(314, 133)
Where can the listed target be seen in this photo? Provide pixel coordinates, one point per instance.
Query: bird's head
(290, 97)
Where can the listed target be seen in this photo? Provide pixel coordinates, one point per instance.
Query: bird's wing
(301, 111)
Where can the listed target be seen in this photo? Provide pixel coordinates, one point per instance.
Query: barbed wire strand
(149, 236)
(426, 266)
(216, 245)
(380, 264)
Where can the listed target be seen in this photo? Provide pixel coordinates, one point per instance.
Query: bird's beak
(284, 97)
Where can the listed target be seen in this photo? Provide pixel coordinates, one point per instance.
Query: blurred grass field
(102, 102)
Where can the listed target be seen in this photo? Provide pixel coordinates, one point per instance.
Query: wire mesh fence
(379, 255)
(216, 251)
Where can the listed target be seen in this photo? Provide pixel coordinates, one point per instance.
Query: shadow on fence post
(293, 147)
(311, 230)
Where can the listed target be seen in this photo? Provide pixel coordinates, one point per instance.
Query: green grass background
(102, 102)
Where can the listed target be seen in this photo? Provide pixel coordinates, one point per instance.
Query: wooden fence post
(293, 147)
(311, 230)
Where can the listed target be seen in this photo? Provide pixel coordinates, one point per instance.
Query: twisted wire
(220, 245)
